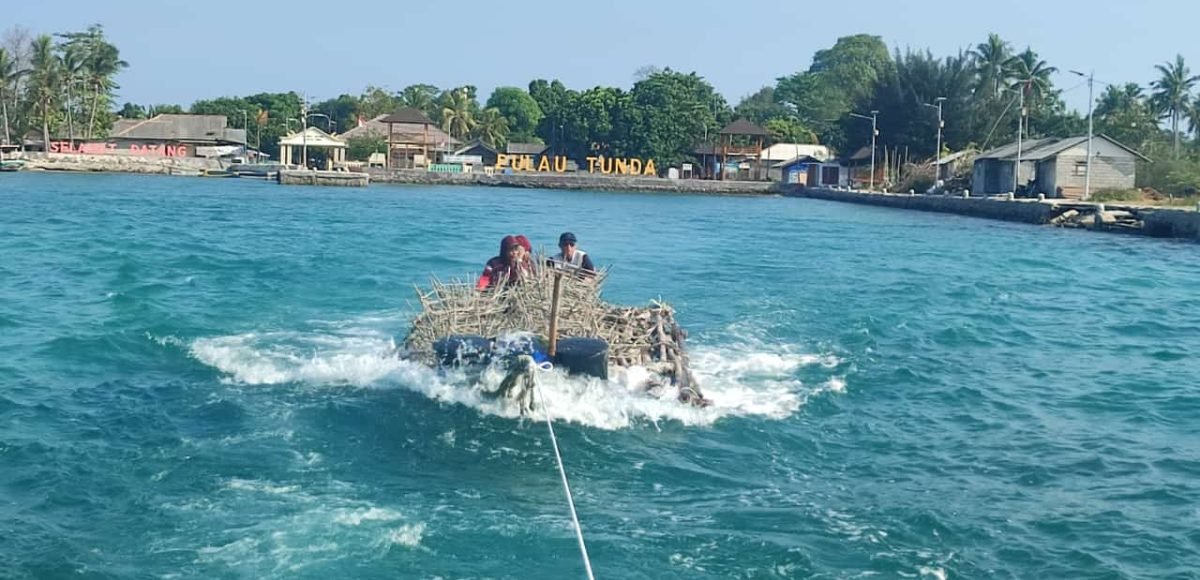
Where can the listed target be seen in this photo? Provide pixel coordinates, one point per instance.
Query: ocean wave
(751, 377)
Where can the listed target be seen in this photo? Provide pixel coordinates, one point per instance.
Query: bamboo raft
(645, 336)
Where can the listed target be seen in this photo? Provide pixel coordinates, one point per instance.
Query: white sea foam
(338, 527)
(746, 378)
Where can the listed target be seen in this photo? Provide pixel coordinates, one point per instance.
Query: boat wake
(743, 378)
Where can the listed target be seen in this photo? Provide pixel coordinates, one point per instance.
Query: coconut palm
(991, 59)
(10, 75)
(1032, 74)
(492, 127)
(71, 66)
(457, 119)
(1172, 93)
(103, 63)
(44, 80)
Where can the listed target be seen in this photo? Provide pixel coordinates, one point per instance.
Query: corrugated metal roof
(179, 128)
(1010, 150)
(1042, 149)
(402, 132)
(744, 127)
(408, 115)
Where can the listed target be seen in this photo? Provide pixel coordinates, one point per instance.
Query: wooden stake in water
(553, 348)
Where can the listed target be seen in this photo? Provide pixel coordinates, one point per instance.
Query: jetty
(327, 178)
(1155, 221)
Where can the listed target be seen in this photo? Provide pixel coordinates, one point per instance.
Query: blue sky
(182, 51)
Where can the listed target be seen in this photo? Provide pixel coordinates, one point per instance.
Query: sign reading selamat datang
(109, 148)
(557, 164)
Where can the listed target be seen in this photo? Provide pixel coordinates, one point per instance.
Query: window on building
(1080, 169)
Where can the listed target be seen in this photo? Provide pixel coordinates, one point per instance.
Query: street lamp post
(937, 170)
(329, 120)
(874, 133)
(1020, 136)
(245, 133)
(1087, 179)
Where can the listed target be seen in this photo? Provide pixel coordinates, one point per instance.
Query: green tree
(422, 97)
(492, 127)
(841, 80)
(789, 130)
(1172, 93)
(281, 109)
(100, 63)
(361, 148)
(761, 107)
(153, 110)
(554, 100)
(376, 101)
(1122, 113)
(10, 77)
(458, 115)
(519, 109)
(906, 100)
(343, 110)
(668, 114)
(72, 66)
(44, 80)
(1032, 74)
(991, 65)
(132, 111)
(596, 122)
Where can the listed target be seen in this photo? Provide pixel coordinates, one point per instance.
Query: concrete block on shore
(327, 178)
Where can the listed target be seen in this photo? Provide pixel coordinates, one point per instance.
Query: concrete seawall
(575, 181)
(118, 163)
(1150, 221)
(1025, 211)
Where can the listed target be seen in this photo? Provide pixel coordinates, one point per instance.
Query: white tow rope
(587, 564)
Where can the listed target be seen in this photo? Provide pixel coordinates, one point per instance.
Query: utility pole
(1020, 129)
(304, 132)
(1087, 178)
(874, 134)
(937, 155)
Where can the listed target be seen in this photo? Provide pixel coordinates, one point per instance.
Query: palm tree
(71, 66)
(1127, 97)
(103, 63)
(456, 114)
(991, 60)
(1192, 113)
(1032, 74)
(1172, 92)
(492, 127)
(9, 77)
(44, 80)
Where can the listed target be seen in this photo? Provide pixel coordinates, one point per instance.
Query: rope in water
(587, 564)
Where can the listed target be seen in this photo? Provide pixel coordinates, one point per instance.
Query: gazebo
(741, 139)
(312, 137)
(407, 148)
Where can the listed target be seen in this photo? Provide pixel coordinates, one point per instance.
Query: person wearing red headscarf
(508, 267)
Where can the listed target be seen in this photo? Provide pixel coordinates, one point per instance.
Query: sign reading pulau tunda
(558, 164)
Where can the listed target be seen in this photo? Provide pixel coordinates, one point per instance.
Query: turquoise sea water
(194, 384)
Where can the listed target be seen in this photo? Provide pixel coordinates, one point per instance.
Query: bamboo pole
(554, 314)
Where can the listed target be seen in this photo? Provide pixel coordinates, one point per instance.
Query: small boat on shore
(577, 333)
(9, 160)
